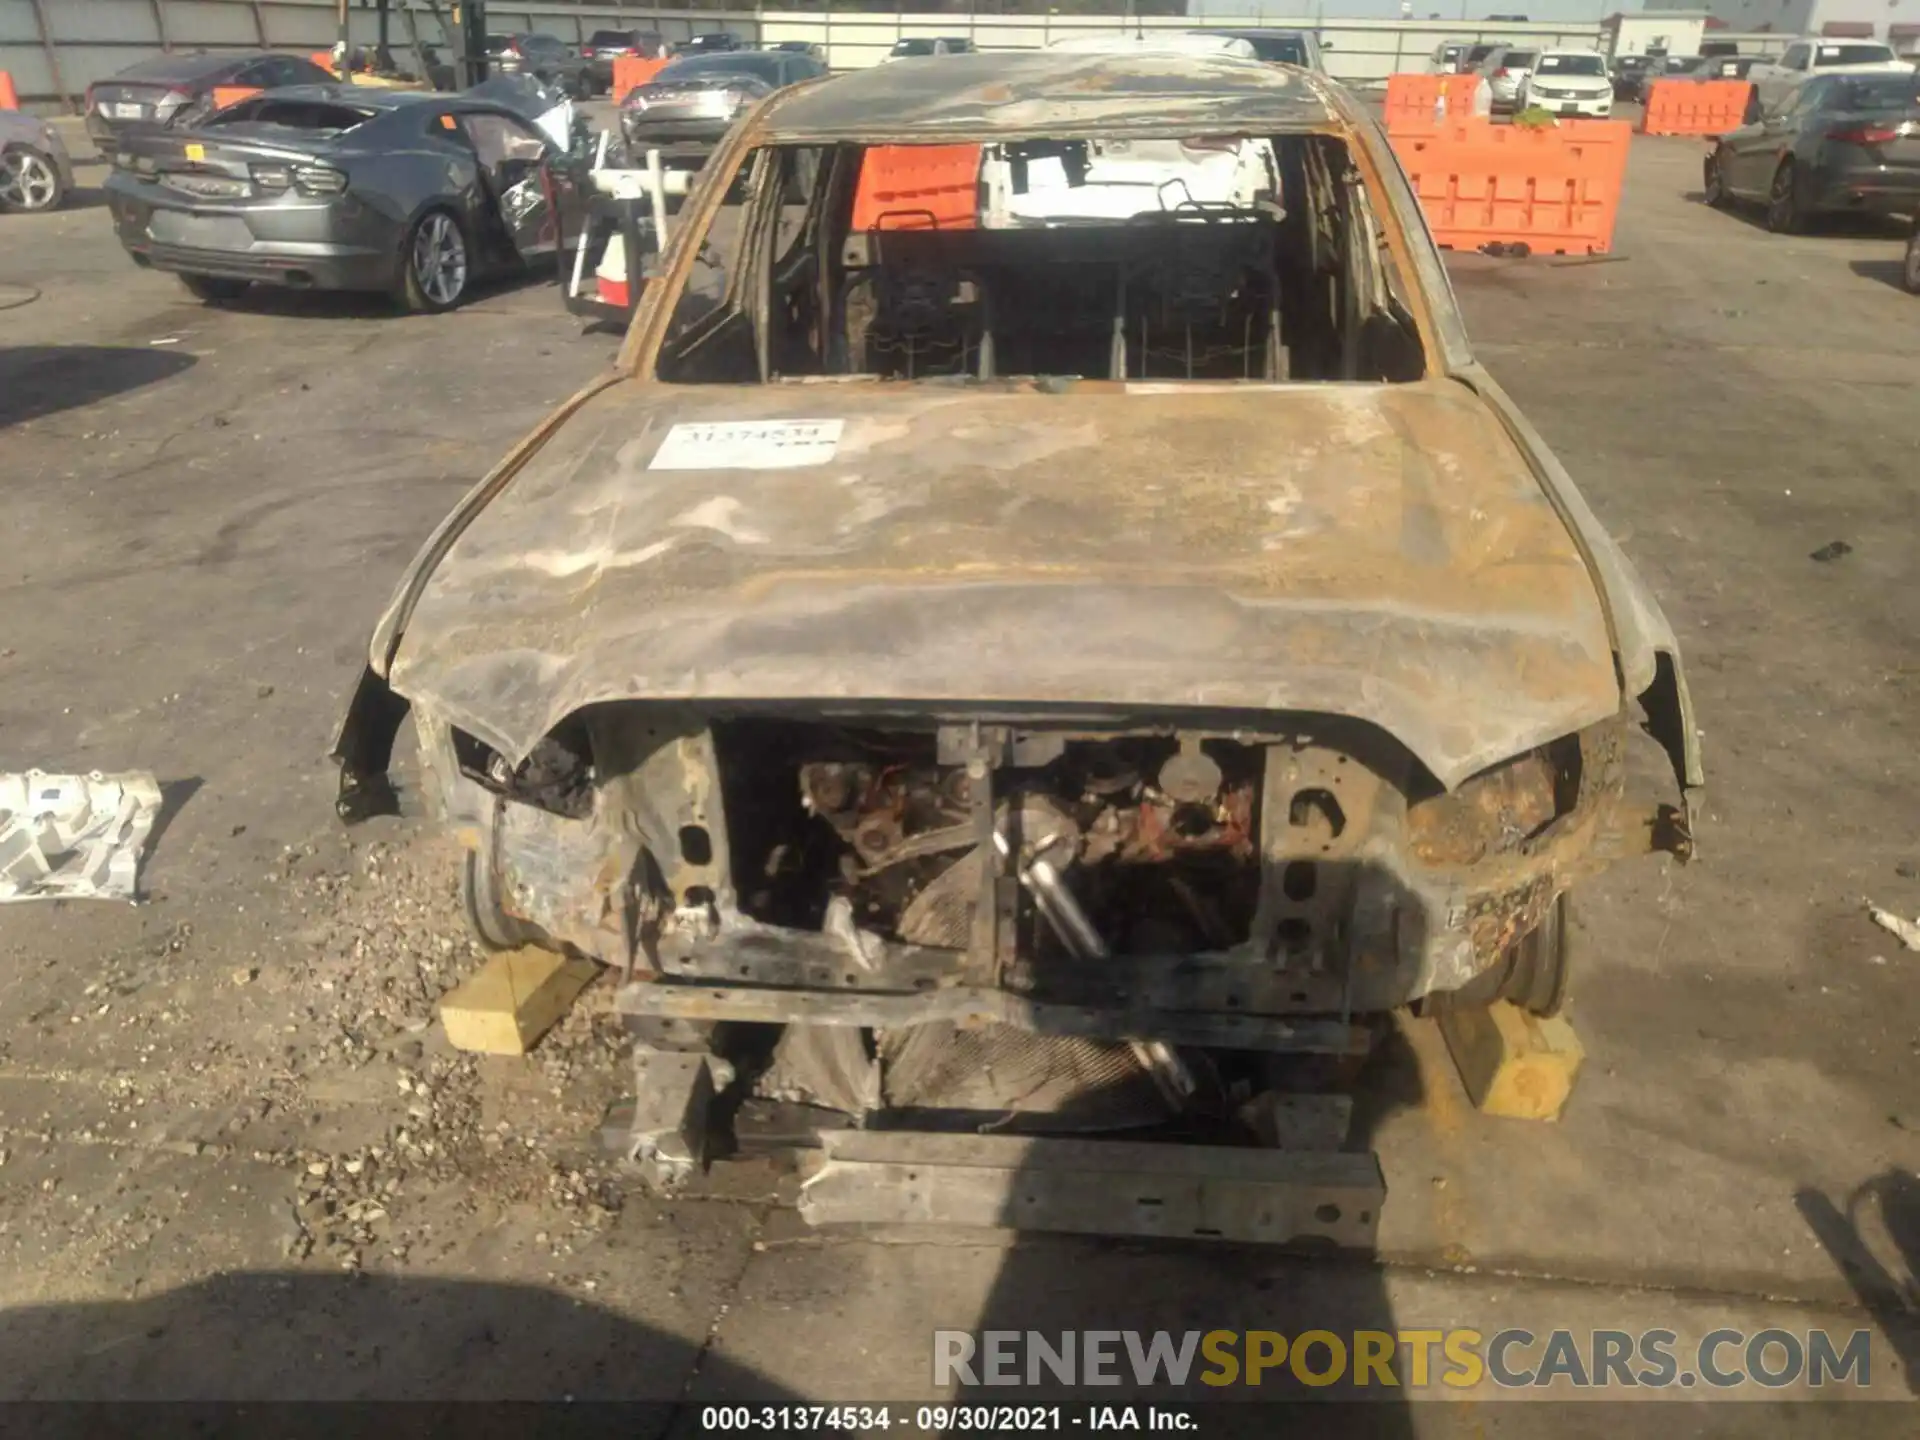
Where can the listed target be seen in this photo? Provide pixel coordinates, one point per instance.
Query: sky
(1593, 10)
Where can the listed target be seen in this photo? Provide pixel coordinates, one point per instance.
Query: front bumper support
(1095, 1187)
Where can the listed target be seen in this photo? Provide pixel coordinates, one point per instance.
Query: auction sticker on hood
(748, 445)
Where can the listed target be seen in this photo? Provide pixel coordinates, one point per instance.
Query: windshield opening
(1852, 55)
(1216, 258)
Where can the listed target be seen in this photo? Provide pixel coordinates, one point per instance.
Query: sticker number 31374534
(748, 445)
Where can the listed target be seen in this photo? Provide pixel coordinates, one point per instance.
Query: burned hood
(1376, 551)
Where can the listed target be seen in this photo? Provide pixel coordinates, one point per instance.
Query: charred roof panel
(1053, 94)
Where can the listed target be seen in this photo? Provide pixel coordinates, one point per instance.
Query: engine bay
(1126, 846)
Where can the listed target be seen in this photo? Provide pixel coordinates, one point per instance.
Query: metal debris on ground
(73, 837)
(1908, 931)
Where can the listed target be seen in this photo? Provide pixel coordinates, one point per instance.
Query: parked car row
(588, 70)
(1632, 77)
(685, 109)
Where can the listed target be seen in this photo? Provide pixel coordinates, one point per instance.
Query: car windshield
(179, 67)
(1005, 259)
(699, 67)
(1518, 59)
(1279, 49)
(607, 39)
(913, 47)
(1572, 65)
(1851, 55)
(1479, 53)
(313, 117)
(1877, 92)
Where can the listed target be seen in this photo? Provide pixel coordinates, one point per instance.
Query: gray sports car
(345, 188)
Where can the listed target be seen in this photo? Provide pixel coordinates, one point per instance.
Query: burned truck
(1046, 625)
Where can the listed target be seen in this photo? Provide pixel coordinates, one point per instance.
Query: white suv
(1569, 82)
(1774, 80)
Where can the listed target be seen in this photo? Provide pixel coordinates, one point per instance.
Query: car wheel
(1532, 973)
(214, 289)
(29, 180)
(436, 263)
(1785, 215)
(1714, 183)
(1538, 979)
(1910, 272)
(491, 925)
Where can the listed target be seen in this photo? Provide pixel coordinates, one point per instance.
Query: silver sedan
(35, 172)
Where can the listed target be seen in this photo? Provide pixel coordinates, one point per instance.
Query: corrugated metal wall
(56, 48)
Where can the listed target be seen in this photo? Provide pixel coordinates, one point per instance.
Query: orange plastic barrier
(324, 59)
(1459, 92)
(1696, 107)
(225, 95)
(1555, 189)
(1413, 97)
(918, 187)
(631, 70)
(9, 97)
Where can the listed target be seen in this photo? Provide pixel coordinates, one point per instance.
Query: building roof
(1049, 93)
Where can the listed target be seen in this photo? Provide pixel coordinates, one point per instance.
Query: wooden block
(512, 1000)
(1513, 1063)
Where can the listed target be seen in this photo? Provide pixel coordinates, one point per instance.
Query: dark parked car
(178, 89)
(1844, 144)
(1669, 67)
(545, 57)
(338, 187)
(603, 47)
(1717, 67)
(713, 43)
(685, 109)
(1471, 57)
(1626, 71)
